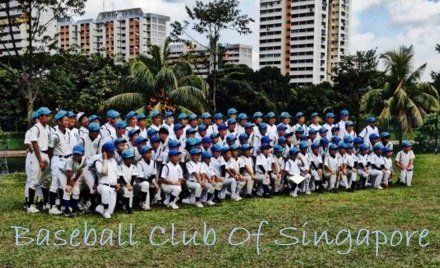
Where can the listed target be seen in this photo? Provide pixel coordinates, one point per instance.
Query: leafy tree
(37, 15)
(155, 83)
(354, 76)
(427, 134)
(436, 75)
(312, 98)
(211, 19)
(403, 96)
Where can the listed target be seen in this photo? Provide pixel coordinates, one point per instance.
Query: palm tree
(403, 96)
(156, 83)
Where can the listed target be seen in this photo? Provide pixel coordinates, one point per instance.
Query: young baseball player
(263, 169)
(247, 168)
(235, 168)
(69, 177)
(218, 167)
(127, 173)
(344, 116)
(368, 130)
(40, 162)
(349, 167)
(388, 165)
(363, 165)
(83, 121)
(405, 162)
(314, 122)
(132, 120)
(60, 149)
(386, 140)
(209, 175)
(278, 168)
(73, 130)
(29, 156)
(108, 131)
(376, 169)
(331, 167)
(107, 174)
(171, 179)
(241, 121)
(147, 177)
(142, 124)
(230, 180)
(168, 123)
(343, 179)
(304, 165)
(316, 167)
(293, 171)
(156, 120)
(195, 182)
(207, 121)
(329, 120)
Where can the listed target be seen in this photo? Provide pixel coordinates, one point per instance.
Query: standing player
(405, 162)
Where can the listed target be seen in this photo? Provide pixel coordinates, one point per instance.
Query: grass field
(403, 209)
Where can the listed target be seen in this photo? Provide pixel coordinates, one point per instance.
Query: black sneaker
(67, 213)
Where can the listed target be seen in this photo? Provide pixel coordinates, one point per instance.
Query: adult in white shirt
(368, 130)
(108, 131)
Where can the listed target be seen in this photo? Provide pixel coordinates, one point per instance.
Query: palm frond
(124, 100)
(188, 97)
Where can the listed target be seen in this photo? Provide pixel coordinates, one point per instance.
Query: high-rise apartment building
(19, 20)
(304, 38)
(121, 34)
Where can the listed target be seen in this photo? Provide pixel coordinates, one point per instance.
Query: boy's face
(315, 120)
(142, 123)
(154, 145)
(169, 120)
(271, 120)
(77, 157)
(120, 131)
(133, 121)
(227, 155)
(247, 153)
(406, 149)
(293, 156)
(285, 120)
(93, 134)
(157, 120)
(195, 157)
(84, 121)
(44, 119)
(175, 158)
(265, 152)
(332, 152)
(72, 121)
(207, 121)
(206, 160)
(128, 161)
(234, 153)
(64, 122)
(147, 156)
(120, 147)
(301, 120)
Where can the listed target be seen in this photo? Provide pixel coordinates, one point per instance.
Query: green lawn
(403, 209)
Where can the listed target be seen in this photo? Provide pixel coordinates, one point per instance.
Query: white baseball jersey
(193, 167)
(172, 172)
(127, 172)
(405, 158)
(146, 169)
(41, 134)
(264, 162)
(246, 162)
(366, 132)
(111, 178)
(91, 147)
(74, 166)
(332, 163)
(62, 143)
(108, 132)
(292, 167)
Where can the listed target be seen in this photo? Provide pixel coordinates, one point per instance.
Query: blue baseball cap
(258, 115)
(60, 115)
(385, 134)
(113, 114)
(206, 115)
(140, 116)
(206, 155)
(232, 111)
(323, 141)
(335, 139)
(281, 127)
(173, 152)
(173, 143)
(312, 131)
(201, 127)
(192, 142)
(177, 126)
(78, 149)
(214, 135)
(262, 126)
(242, 116)
(406, 143)
(43, 111)
(303, 137)
(151, 131)
(299, 130)
(216, 148)
(329, 115)
(265, 139)
(348, 139)
(140, 139)
(285, 115)
(231, 137)
(218, 116)
(323, 130)
(378, 146)
(303, 145)
(182, 116)
(248, 125)
(192, 117)
(333, 147)
(270, 115)
(130, 115)
(349, 124)
(168, 114)
(315, 114)
(243, 136)
(195, 151)
(120, 124)
(282, 140)
(71, 114)
(373, 136)
(231, 121)
(93, 117)
(386, 150)
(206, 139)
(371, 119)
(145, 149)
(315, 145)
(335, 128)
(127, 153)
(357, 140)
(265, 146)
(278, 149)
(363, 147)
(154, 114)
(34, 115)
(222, 127)
(94, 127)
(299, 114)
(293, 150)
(191, 130)
(108, 147)
(154, 138)
(234, 147)
(119, 140)
(344, 112)
(245, 147)
(133, 132)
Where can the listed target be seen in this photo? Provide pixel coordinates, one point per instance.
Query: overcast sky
(381, 24)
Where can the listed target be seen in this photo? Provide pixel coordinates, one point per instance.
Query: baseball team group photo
(219, 133)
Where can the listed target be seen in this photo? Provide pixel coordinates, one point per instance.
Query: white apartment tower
(121, 34)
(19, 17)
(304, 38)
